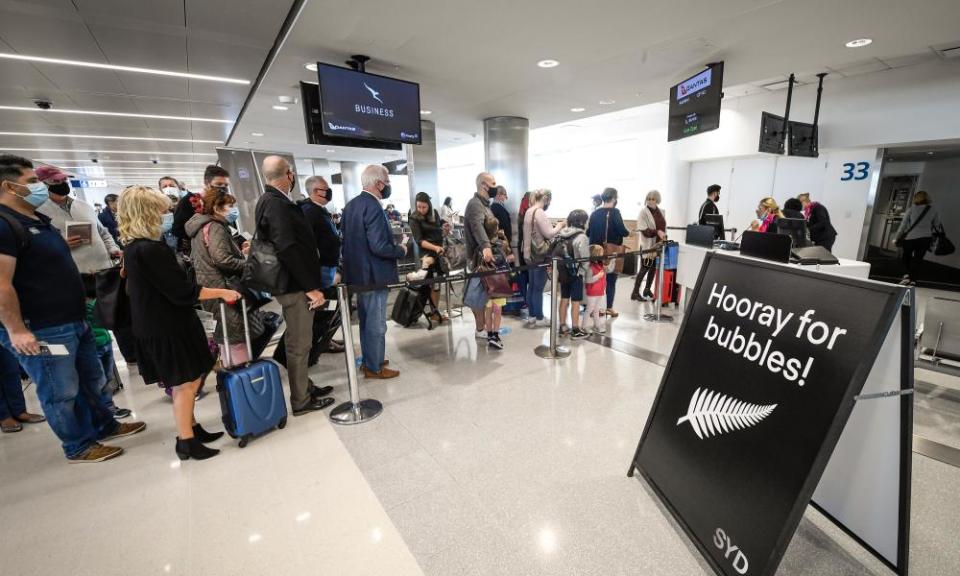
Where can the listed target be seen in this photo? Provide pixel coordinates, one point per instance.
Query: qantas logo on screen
(695, 84)
(711, 413)
(371, 110)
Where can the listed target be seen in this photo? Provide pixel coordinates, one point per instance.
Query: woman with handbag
(170, 341)
(428, 229)
(915, 235)
(607, 229)
(537, 235)
(652, 228)
(218, 262)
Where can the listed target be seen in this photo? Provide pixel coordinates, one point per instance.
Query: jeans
(328, 274)
(372, 310)
(611, 288)
(105, 354)
(537, 280)
(11, 394)
(70, 388)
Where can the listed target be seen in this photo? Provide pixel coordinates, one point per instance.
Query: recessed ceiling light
(607, 102)
(330, 150)
(859, 43)
(99, 161)
(120, 114)
(578, 109)
(929, 153)
(548, 63)
(311, 66)
(257, 134)
(100, 137)
(122, 68)
(77, 151)
(286, 99)
(279, 107)
(426, 112)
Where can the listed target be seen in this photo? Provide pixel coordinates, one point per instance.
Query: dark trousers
(646, 269)
(913, 253)
(611, 288)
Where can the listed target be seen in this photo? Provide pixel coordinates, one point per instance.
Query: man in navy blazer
(370, 257)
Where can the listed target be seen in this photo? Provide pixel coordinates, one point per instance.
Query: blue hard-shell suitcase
(251, 394)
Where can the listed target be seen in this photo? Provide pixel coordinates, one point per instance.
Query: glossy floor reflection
(292, 502)
(502, 463)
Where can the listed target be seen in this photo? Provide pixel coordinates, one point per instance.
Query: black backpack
(562, 249)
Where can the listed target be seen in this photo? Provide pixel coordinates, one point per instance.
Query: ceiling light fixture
(287, 99)
(607, 102)
(859, 43)
(426, 112)
(136, 69)
(578, 109)
(548, 63)
(330, 150)
(76, 151)
(98, 161)
(120, 114)
(279, 107)
(311, 66)
(100, 137)
(257, 134)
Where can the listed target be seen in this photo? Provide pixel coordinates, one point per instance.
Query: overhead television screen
(695, 104)
(368, 107)
(313, 122)
(803, 140)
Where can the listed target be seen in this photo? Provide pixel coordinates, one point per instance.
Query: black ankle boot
(193, 448)
(203, 436)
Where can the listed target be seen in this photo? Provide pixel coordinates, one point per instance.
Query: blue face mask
(38, 194)
(166, 223)
(232, 215)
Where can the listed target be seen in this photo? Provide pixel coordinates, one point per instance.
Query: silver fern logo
(711, 413)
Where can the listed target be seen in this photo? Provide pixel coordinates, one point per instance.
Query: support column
(422, 165)
(506, 140)
(350, 172)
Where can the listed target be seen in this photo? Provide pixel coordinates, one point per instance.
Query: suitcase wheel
(282, 423)
(244, 441)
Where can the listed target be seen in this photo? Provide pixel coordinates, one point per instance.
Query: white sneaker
(530, 323)
(481, 334)
(545, 323)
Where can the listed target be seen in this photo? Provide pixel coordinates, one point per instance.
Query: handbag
(615, 265)
(112, 309)
(901, 237)
(254, 298)
(263, 270)
(539, 249)
(454, 255)
(496, 285)
(941, 246)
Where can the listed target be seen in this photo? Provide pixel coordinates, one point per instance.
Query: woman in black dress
(170, 341)
(428, 229)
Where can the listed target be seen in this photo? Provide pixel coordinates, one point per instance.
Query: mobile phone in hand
(53, 349)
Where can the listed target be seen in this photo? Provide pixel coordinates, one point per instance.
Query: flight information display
(695, 104)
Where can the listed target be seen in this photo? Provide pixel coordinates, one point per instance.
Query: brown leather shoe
(383, 374)
(128, 429)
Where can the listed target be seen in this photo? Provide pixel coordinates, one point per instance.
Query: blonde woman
(170, 341)
(767, 213)
(915, 235)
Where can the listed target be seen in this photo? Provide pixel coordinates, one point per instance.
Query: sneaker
(578, 334)
(564, 330)
(481, 335)
(415, 276)
(96, 453)
(530, 323)
(121, 413)
(544, 323)
(494, 341)
(127, 429)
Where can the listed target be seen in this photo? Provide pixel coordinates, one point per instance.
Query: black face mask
(385, 193)
(328, 194)
(492, 192)
(61, 189)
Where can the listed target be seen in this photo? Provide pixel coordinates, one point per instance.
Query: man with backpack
(570, 245)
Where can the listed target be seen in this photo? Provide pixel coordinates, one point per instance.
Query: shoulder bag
(263, 270)
(941, 246)
(615, 265)
(901, 237)
(539, 249)
(112, 309)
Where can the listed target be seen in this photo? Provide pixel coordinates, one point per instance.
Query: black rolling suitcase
(408, 307)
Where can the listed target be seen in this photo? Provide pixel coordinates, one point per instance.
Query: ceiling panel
(256, 20)
(158, 12)
(53, 34)
(69, 78)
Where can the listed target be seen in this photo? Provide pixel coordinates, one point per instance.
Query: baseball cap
(51, 174)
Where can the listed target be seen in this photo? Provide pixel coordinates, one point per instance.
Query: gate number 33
(858, 171)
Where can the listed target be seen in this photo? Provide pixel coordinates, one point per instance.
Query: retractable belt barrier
(357, 410)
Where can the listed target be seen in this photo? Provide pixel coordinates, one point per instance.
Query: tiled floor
(483, 463)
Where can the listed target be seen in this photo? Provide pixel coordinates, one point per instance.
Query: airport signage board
(761, 381)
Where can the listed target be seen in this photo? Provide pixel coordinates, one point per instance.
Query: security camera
(94, 160)
(43, 104)
(155, 162)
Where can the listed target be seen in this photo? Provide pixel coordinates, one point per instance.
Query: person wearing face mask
(479, 243)
(325, 231)
(370, 258)
(499, 209)
(652, 227)
(709, 206)
(190, 204)
(768, 211)
(218, 261)
(281, 223)
(537, 235)
(108, 216)
(92, 253)
(42, 303)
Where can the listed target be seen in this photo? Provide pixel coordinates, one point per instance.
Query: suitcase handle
(246, 331)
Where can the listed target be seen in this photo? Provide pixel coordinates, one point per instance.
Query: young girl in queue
(596, 288)
(170, 340)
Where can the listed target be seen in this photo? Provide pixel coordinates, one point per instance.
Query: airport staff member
(709, 206)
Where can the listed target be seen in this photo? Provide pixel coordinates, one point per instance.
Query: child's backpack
(562, 249)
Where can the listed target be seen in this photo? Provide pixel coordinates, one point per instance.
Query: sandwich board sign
(760, 384)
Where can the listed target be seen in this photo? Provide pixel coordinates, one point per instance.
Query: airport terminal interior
(760, 374)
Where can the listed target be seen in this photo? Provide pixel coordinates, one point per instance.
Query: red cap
(51, 175)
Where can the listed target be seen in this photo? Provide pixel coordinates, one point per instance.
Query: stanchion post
(553, 351)
(355, 410)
